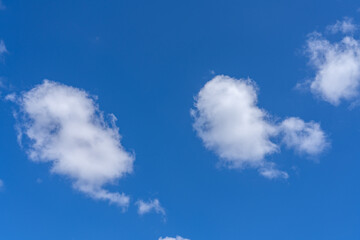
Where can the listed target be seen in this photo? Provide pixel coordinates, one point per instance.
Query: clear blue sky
(146, 61)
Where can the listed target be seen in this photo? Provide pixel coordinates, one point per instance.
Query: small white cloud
(345, 26)
(2, 47)
(304, 137)
(152, 205)
(1, 184)
(270, 171)
(228, 120)
(337, 68)
(173, 238)
(11, 97)
(65, 127)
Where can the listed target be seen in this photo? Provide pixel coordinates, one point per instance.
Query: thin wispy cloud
(173, 238)
(228, 120)
(336, 65)
(3, 49)
(150, 206)
(63, 125)
(2, 6)
(346, 26)
(1, 184)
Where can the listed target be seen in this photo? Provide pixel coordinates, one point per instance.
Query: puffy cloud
(337, 68)
(303, 137)
(64, 126)
(152, 205)
(344, 26)
(175, 238)
(228, 120)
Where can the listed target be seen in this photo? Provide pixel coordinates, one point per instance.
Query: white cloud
(2, 47)
(1, 184)
(228, 120)
(152, 205)
(345, 26)
(303, 137)
(270, 171)
(64, 126)
(230, 123)
(337, 67)
(175, 238)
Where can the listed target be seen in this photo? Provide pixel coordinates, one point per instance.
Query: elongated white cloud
(337, 67)
(228, 120)
(147, 207)
(64, 126)
(173, 238)
(270, 171)
(2, 47)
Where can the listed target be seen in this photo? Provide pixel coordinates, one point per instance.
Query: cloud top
(64, 126)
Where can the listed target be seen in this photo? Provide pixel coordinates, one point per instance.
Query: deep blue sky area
(146, 61)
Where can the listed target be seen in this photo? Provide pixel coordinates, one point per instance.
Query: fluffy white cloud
(228, 120)
(175, 238)
(152, 205)
(337, 66)
(344, 26)
(64, 126)
(303, 137)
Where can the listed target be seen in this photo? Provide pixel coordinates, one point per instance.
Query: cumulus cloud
(173, 238)
(337, 67)
(228, 120)
(64, 126)
(345, 26)
(303, 137)
(152, 205)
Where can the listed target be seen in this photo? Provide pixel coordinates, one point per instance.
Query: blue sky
(149, 63)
